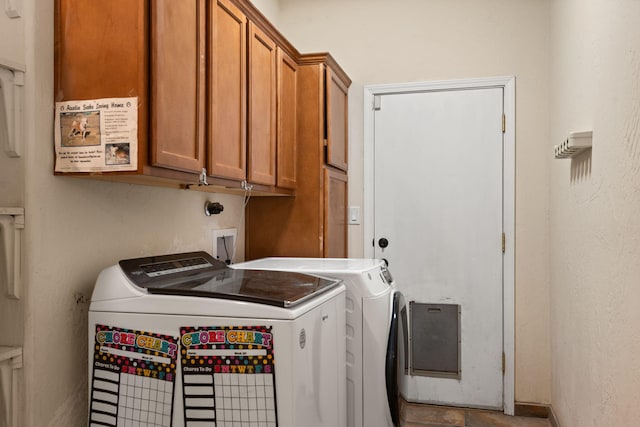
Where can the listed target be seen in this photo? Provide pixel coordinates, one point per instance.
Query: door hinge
(504, 242)
(504, 123)
(377, 102)
(504, 363)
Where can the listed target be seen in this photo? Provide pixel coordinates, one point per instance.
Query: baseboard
(531, 410)
(552, 418)
(537, 411)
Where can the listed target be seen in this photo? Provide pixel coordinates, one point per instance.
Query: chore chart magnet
(133, 378)
(228, 376)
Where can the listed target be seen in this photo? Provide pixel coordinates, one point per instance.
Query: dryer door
(397, 353)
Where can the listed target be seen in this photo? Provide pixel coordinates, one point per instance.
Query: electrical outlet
(223, 244)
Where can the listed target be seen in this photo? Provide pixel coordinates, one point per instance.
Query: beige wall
(380, 41)
(270, 9)
(12, 37)
(594, 213)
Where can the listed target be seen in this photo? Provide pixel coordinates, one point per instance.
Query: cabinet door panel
(227, 78)
(101, 51)
(336, 115)
(287, 126)
(177, 84)
(88, 65)
(262, 107)
(335, 214)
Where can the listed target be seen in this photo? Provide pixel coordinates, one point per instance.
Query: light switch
(354, 215)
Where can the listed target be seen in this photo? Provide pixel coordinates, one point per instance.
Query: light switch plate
(354, 215)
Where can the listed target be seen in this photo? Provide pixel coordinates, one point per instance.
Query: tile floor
(415, 415)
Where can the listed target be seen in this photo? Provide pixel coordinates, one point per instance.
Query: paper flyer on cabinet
(96, 135)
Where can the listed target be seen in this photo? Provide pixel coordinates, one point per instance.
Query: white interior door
(438, 183)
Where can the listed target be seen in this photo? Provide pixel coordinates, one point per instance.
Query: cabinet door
(262, 107)
(287, 141)
(336, 116)
(227, 93)
(178, 84)
(101, 51)
(335, 214)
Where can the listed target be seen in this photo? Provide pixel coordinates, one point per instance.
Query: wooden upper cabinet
(335, 214)
(217, 88)
(336, 120)
(262, 107)
(178, 84)
(314, 222)
(227, 76)
(287, 121)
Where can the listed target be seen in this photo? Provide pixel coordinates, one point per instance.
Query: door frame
(507, 83)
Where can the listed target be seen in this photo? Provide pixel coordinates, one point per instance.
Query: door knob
(383, 243)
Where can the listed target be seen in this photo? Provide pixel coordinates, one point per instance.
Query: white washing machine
(376, 333)
(183, 340)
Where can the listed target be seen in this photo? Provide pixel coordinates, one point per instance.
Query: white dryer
(376, 333)
(183, 340)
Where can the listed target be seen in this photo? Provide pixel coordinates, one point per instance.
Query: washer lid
(198, 274)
